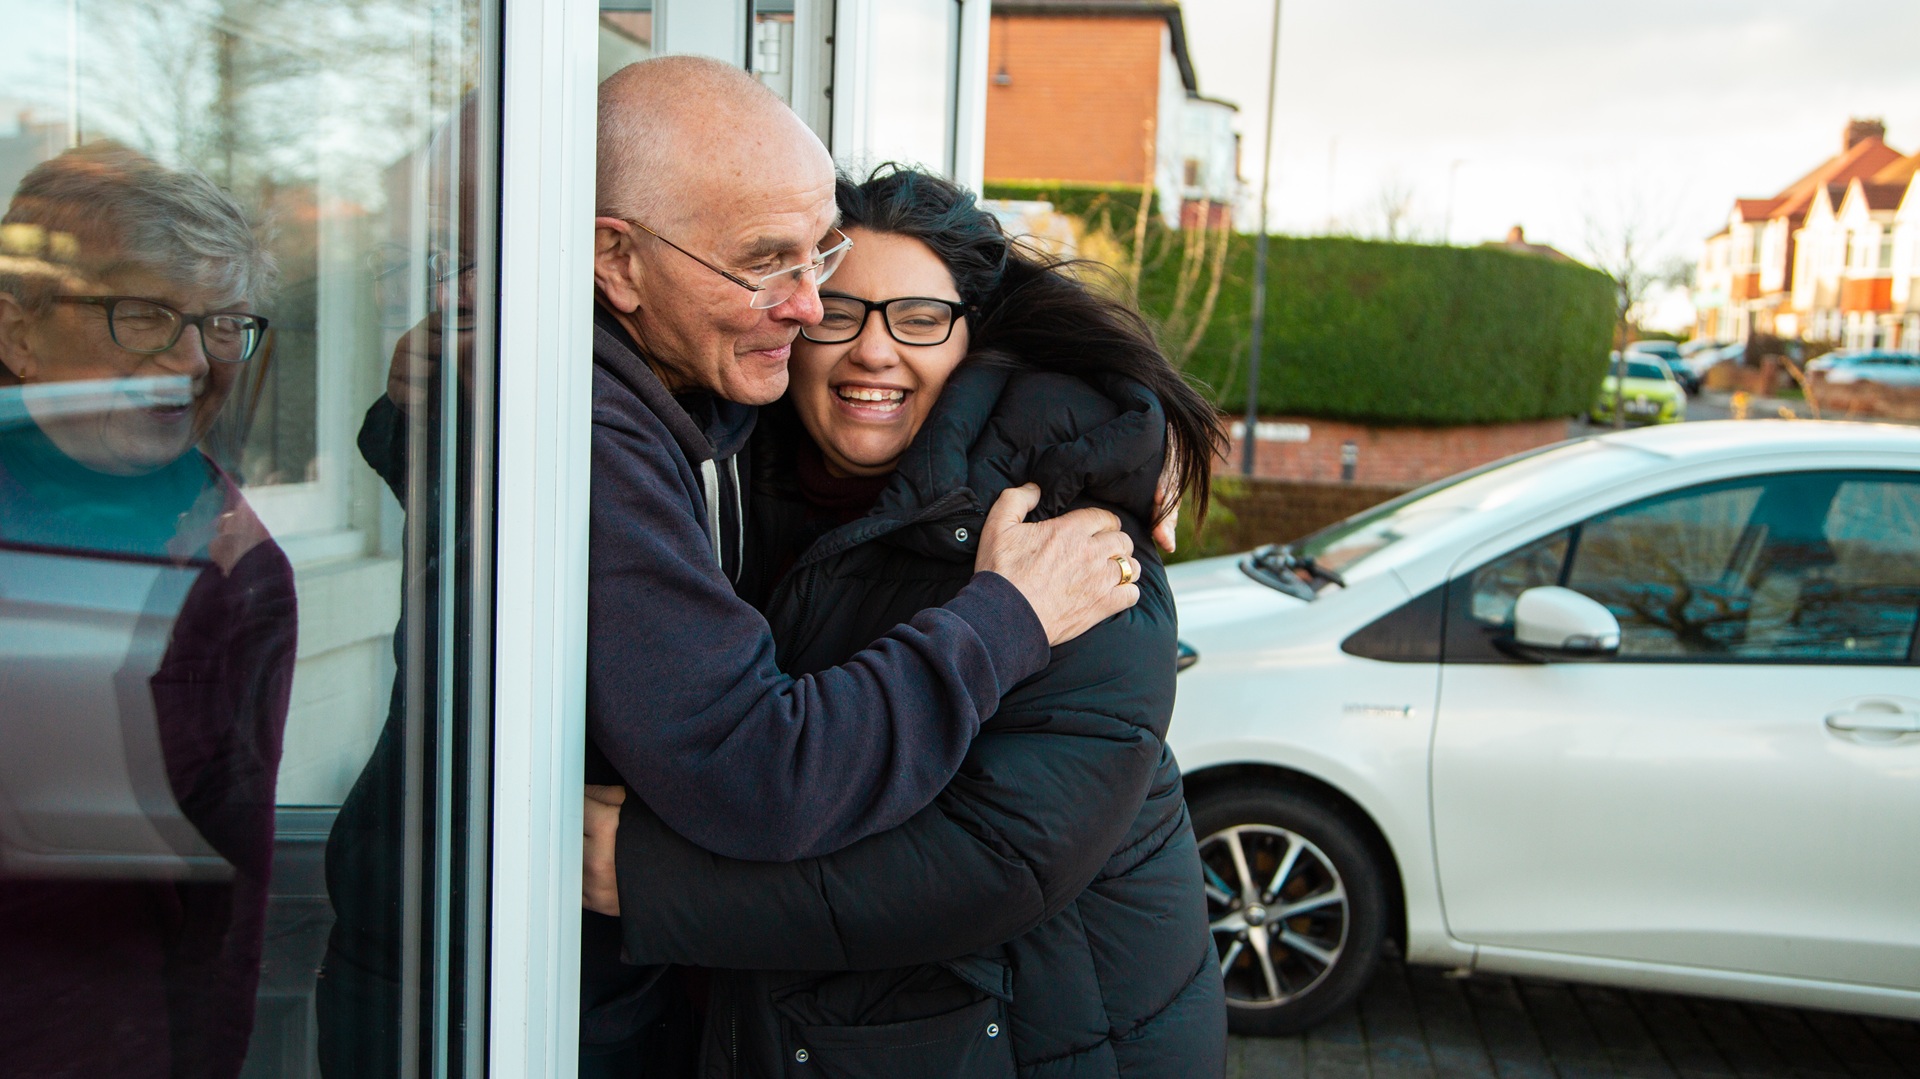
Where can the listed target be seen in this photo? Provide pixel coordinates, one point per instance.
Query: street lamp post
(1247, 438)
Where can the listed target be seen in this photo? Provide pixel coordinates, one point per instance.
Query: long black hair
(1034, 309)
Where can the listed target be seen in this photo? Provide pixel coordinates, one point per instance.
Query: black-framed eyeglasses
(776, 288)
(138, 324)
(910, 320)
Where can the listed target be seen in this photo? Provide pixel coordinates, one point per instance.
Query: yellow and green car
(1647, 395)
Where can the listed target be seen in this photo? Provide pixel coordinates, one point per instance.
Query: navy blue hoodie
(684, 697)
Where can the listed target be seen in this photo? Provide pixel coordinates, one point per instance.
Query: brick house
(1856, 261)
(1104, 92)
(1749, 270)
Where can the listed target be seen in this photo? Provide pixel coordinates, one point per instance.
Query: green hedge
(1114, 206)
(1380, 332)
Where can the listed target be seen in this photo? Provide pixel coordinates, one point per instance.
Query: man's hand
(1166, 505)
(416, 357)
(599, 885)
(1165, 532)
(1068, 569)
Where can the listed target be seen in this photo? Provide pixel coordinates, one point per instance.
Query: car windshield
(1339, 547)
(1645, 369)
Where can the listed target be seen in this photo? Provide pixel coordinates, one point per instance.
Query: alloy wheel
(1279, 912)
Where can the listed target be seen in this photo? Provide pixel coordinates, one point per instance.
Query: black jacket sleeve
(383, 444)
(686, 700)
(1046, 795)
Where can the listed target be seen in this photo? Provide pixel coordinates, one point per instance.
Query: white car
(1641, 709)
(1873, 365)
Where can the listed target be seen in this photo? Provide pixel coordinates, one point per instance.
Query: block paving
(1418, 1023)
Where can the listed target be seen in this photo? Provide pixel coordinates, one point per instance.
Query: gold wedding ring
(1128, 574)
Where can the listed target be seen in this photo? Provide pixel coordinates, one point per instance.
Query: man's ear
(17, 351)
(615, 269)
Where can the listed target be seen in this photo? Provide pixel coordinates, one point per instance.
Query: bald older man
(715, 229)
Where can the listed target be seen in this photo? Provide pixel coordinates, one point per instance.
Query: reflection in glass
(242, 273)
(147, 624)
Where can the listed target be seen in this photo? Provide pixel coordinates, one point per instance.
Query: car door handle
(1885, 719)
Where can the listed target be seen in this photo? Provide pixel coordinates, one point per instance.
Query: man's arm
(685, 698)
(1048, 793)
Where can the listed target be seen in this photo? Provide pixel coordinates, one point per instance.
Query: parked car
(1882, 366)
(1667, 353)
(1649, 393)
(1700, 361)
(1641, 709)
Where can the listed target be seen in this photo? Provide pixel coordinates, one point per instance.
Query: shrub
(1373, 332)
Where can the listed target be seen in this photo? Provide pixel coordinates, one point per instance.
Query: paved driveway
(1416, 1023)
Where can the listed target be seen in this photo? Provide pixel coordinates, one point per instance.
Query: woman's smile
(873, 404)
(863, 400)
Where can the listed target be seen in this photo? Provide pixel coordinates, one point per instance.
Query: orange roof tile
(1900, 172)
(1857, 162)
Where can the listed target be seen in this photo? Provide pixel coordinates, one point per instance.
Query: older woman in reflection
(125, 319)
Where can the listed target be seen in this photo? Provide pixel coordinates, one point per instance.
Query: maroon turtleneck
(839, 499)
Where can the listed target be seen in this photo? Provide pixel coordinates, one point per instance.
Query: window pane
(1496, 586)
(236, 614)
(1673, 570)
(1799, 567)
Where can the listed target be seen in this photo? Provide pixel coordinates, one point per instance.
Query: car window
(1495, 587)
(1810, 567)
(1667, 568)
(1640, 369)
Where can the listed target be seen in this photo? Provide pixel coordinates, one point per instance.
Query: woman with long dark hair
(1044, 915)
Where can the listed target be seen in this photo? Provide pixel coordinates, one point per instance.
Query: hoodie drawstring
(710, 479)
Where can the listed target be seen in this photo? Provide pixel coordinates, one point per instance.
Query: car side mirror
(1554, 623)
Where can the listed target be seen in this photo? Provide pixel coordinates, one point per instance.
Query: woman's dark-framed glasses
(910, 320)
(138, 324)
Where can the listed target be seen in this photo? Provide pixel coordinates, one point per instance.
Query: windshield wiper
(1277, 565)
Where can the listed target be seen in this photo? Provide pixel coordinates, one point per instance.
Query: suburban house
(1748, 272)
(1850, 253)
(1104, 92)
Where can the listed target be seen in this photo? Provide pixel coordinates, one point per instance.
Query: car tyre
(1294, 952)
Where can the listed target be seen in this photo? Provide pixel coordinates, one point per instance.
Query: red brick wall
(1391, 456)
(1080, 95)
(1276, 511)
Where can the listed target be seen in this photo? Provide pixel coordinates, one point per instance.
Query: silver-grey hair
(103, 207)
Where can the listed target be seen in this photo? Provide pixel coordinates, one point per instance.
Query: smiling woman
(863, 387)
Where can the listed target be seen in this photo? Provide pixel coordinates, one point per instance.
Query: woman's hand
(600, 826)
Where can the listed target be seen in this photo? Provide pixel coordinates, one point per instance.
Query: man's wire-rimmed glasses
(776, 288)
(138, 324)
(911, 320)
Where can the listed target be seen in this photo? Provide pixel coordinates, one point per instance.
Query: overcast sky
(1557, 110)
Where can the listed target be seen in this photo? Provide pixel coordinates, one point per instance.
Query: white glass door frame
(547, 109)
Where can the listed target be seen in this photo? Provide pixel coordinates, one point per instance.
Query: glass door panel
(246, 325)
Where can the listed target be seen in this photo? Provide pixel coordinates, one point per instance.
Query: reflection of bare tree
(256, 93)
(299, 107)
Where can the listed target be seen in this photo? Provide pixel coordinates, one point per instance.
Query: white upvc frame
(970, 95)
(547, 110)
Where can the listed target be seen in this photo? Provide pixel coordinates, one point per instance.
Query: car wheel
(1297, 904)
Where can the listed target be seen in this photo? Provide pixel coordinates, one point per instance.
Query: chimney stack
(1516, 235)
(1859, 131)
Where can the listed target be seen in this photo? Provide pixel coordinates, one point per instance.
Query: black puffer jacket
(1044, 916)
